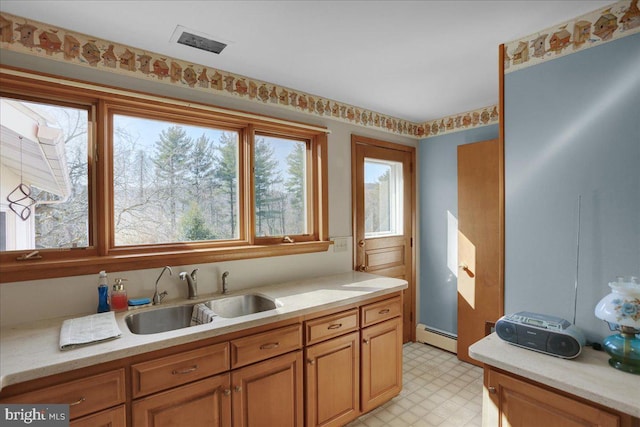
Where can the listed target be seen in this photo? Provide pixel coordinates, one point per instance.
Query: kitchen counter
(31, 351)
(588, 376)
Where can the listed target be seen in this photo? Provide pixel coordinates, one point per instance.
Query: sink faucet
(224, 282)
(191, 282)
(158, 297)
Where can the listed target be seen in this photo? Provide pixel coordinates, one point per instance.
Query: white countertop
(588, 376)
(32, 350)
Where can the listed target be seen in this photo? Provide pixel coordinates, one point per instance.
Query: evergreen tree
(295, 186)
(200, 167)
(226, 175)
(172, 152)
(266, 177)
(193, 227)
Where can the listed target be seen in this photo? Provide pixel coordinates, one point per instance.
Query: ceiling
(414, 60)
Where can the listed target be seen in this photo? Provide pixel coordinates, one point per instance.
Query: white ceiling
(414, 60)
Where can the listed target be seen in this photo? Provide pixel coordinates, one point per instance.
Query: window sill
(18, 271)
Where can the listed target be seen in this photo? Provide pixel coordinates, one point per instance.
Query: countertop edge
(552, 371)
(121, 348)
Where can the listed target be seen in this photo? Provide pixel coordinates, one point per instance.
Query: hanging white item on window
(20, 200)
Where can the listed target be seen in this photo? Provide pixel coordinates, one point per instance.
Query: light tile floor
(438, 390)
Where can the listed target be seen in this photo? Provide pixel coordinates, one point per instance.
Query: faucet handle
(193, 273)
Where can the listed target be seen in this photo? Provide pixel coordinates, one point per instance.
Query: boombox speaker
(538, 332)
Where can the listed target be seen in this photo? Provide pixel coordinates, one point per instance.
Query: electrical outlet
(339, 244)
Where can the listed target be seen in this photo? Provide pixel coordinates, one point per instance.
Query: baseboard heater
(437, 338)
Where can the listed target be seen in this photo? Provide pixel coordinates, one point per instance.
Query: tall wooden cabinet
(332, 369)
(381, 352)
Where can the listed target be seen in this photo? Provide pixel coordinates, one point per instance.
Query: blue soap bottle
(103, 293)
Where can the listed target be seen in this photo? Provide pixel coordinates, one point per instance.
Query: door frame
(357, 140)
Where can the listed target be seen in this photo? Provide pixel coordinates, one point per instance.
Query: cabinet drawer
(171, 371)
(83, 396)
(115, 417)
(331, 326)
(383, 310)
(265, 345)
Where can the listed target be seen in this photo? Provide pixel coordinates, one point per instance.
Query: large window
(44, 185)
(135, 181)
(173, 182)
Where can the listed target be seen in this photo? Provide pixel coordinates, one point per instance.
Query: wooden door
(269, 393)
(333, 381)
(480, 242)
(521, 404)
(381, 362)
(384, 215)
(201, 404)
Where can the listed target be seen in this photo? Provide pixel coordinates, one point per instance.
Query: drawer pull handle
(312, 362)
(226, 392)
(184, 371)
(335, 326)
(384, 311)
(366, 340)
(238, 389)
(77, 402)
(492, 390)
(269, 346)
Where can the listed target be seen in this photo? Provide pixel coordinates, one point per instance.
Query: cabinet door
(522, 404)
(269, 393)
(381, 363)
(333, 378)
(201, 404)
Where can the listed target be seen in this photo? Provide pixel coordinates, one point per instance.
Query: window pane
(280, 186)
(382, 198)
(173, 182)
(44, 178)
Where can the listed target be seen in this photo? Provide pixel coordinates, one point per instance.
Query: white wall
(41, 299)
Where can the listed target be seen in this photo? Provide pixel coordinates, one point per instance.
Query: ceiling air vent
(202, 43)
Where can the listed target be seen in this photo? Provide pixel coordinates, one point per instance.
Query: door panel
(383, 212)
(480, 249)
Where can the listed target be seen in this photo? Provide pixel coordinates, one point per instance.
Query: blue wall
(438, 175)
(572, 132)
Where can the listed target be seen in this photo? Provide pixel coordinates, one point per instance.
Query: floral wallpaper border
(603, 25)
(38, 39)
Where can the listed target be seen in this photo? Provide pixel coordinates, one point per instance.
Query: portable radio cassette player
(542, 333)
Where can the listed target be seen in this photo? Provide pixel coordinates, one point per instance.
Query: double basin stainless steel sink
(178, 317)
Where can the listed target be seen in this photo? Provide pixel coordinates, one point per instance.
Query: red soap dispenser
(119, 299)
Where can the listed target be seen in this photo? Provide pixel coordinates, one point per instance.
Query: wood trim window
(171, 182)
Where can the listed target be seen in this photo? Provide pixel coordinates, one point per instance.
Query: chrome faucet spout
(192, 282)
(224, 282)
(158, 297)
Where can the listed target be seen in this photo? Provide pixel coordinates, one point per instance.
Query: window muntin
(44, 155)
(383, 198)
(174, 182)
(280, 174)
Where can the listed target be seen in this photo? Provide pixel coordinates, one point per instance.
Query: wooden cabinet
(337, 364)
(333, 381)
(513, 401)
(203, 403)
(269, 393)
(381, 361)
